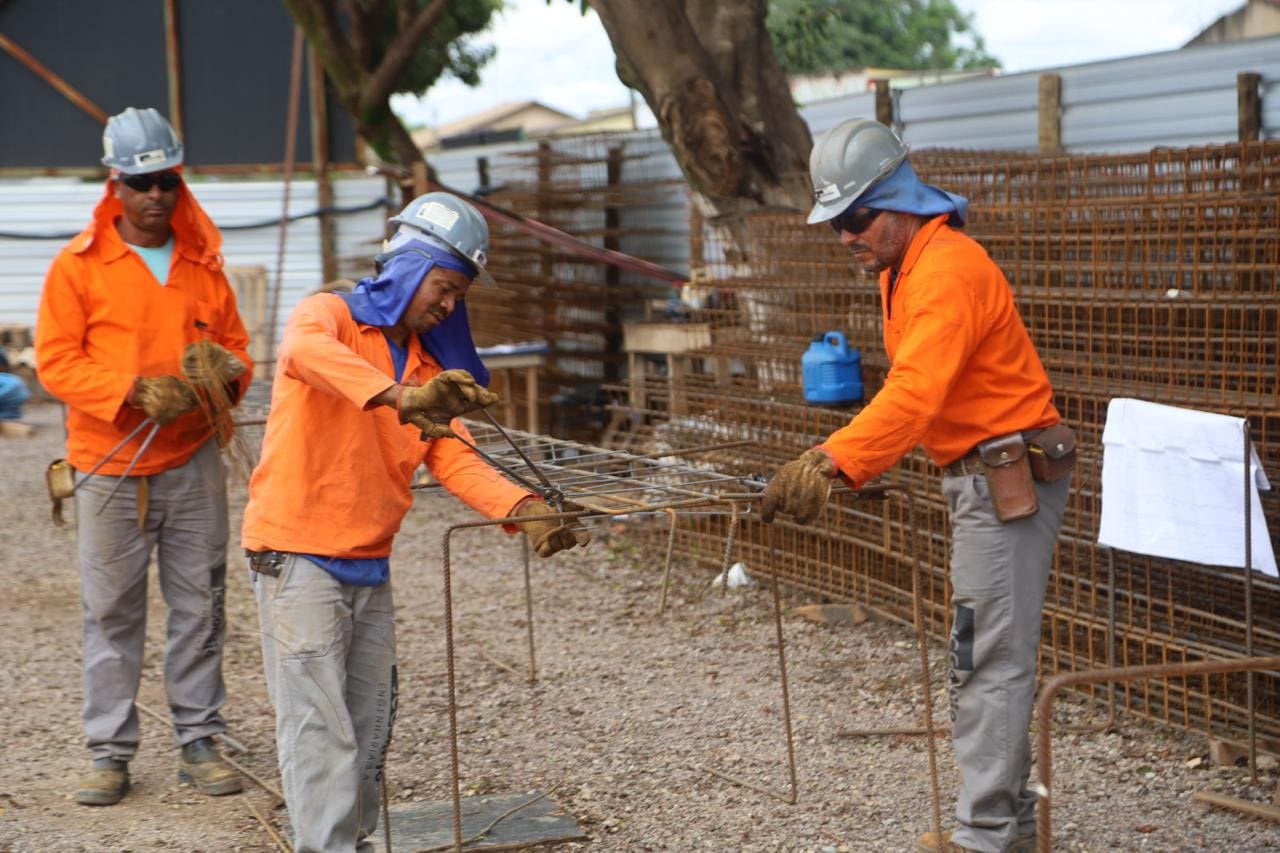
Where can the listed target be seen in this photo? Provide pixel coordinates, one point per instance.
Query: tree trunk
(707, 70)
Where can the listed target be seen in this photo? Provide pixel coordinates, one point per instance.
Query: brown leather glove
(210, 365)
(800, 488)
(550, 535)
(163, 398)
(448, 395)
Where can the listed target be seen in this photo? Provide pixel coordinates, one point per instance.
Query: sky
(553, 54)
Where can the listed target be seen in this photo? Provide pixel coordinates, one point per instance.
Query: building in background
(807, 88)
(1255, 18)
(507, 122)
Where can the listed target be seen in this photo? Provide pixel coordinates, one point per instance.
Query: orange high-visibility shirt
(104, 320)
(963, 368)
(335, 472)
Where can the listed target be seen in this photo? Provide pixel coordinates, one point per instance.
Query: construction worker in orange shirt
(139, 335)
(966, 383)
(368, 386)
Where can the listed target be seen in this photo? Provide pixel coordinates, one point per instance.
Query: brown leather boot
(105, 784)
(203, 766)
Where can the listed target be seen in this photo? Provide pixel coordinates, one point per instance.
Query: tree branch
(320, 24)
(381, 85)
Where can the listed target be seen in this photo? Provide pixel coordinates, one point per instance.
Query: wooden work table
(507, 365)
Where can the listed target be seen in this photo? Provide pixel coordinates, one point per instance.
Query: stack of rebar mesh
(595, 188)
(1148, 275)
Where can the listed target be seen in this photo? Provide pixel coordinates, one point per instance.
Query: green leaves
(446, 49)
(821, 36)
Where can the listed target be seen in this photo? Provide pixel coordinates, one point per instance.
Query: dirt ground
(629, 709)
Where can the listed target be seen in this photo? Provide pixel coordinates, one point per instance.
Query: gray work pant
(329, 650)
(186, 524)
(999, 573)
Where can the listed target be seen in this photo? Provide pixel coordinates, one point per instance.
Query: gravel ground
(629, 708)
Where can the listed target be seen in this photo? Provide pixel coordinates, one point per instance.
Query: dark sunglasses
(166, 181)
(855, 223)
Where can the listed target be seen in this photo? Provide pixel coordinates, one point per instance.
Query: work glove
(209, 365)
(448, 395)
(163, 398)
(550, 535)
(800, 488)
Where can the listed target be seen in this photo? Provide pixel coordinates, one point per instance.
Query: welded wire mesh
(595, 478)
(1148, 275)
(602, 189)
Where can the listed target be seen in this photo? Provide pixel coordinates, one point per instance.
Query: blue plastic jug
(832, 371)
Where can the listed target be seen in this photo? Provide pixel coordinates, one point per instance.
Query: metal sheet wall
(235, 59)
(52, 206)
(1176, 98)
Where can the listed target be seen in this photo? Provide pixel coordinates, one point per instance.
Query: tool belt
(1013, 463)
(266, 562)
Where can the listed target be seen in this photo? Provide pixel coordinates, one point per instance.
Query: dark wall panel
(236, 57)
(112, 52)
(238, 74)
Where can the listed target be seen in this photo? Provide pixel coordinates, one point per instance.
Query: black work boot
(105, 784)
(204, 767)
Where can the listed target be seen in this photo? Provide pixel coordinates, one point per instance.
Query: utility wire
(273, 222)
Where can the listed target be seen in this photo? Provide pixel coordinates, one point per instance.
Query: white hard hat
(140, 141)
(848, 160)
(451, 221)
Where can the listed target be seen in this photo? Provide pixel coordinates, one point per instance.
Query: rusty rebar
(447, 594)
(922, 641)
(528, 610)
(729, 540)
(666, 565)
(793, 796)
(1050, 689)
(38, 68)
(1248, 601)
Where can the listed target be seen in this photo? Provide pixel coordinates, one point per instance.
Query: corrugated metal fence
(57, 206)
(1177, 98)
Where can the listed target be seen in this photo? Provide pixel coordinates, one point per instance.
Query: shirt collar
(195, 237)
(918, 242)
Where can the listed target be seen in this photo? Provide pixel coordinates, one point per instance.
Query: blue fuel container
(832, 371)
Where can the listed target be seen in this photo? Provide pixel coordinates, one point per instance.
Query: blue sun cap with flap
(408, 256)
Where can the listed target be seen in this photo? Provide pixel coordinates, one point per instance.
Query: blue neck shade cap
(381, 300)
(904, 192)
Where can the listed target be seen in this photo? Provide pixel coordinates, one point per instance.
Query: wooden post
(884, 102)
(173, 63)
(531, 397)
(420, 183)
(1050, 114)
(612, 275)
(319, 110)
(1249, 105)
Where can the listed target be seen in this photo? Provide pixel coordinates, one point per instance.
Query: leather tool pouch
(1004, 460)
(1052, 453)
(60, 478)
(266, 562)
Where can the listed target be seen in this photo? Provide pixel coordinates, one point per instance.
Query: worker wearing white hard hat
(966, 383)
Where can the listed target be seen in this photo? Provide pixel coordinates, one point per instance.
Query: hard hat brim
(825, 212)
(161, 166)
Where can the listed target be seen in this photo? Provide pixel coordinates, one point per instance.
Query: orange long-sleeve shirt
(104, 320)
(963, 368)
(335, 472)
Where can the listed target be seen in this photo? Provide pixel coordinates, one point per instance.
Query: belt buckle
(267, 563)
